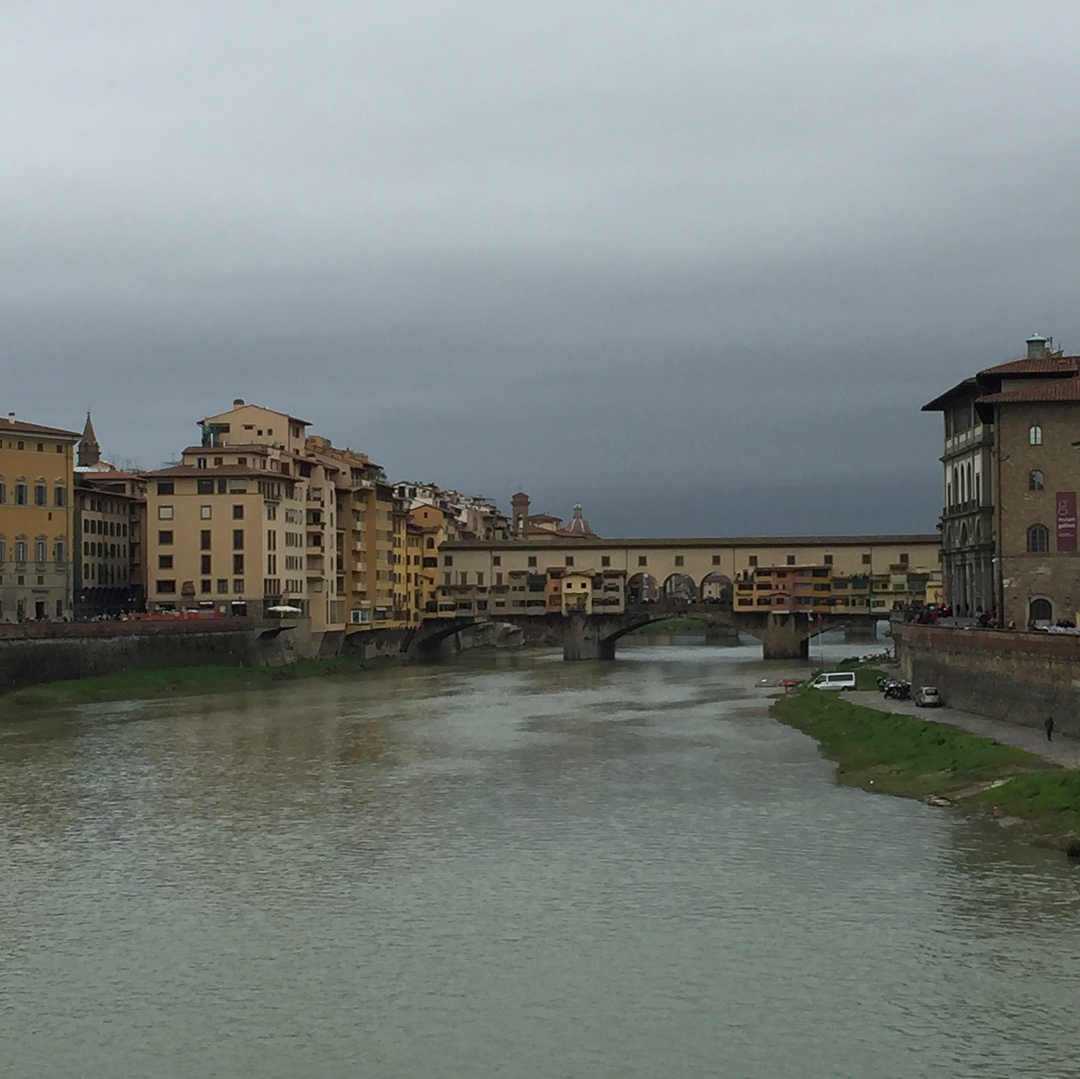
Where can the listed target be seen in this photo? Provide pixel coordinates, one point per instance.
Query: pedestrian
(1049, 725)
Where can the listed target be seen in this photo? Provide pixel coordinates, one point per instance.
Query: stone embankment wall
(1018, 677)
(32, 653)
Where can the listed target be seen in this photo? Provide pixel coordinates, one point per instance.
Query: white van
(838, 680)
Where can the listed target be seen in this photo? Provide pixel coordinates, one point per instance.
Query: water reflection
(508, 866)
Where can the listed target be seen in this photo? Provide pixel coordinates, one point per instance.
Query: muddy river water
(508, 866)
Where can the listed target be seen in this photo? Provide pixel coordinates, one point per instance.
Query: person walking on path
(1049, 725)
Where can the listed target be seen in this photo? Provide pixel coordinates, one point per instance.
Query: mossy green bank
(917, 758)
(178, 682)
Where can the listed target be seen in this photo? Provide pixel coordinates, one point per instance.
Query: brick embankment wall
(1018, 677)
(50, 652)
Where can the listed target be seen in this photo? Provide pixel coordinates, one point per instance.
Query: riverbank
(917, 758)
(178, 682)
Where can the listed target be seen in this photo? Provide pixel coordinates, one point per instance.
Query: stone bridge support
(786, 636)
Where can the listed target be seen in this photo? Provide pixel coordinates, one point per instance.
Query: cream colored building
(261, 514)
(36, 480)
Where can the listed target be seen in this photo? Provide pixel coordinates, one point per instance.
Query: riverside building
(1011, 472)
(36, 476)
(261, 514)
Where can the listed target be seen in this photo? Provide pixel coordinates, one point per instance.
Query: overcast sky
(694, 264)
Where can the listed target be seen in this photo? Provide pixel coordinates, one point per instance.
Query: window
(480, 580)
(605, 560)
(904, 558)
(204, 487)
(165, 588)
(164, 561)
(164, 538)
(41, 447)
(204, 540)
(791, 560)
(1038, 539)
(238, 563)
(59, 496)
(166, 488)
(204, 564)
(448, 560)
(21, 494)
(238, 539)
(752, 560)
(1035, 435)
(39, 550)
(165, 513)
(532, 560)
(569, 559)
(430, 543)
(204, 513)
(866, 560)
(1035, 480)
(642, 560)
(238, 587)
(1041, 611)
(200, 462)
(222, 486)
(20, 550)
(41, 495)
(60, 550)
(205, 587)
(679, 560)
(238, 513)
(3, 492)
(222, 586)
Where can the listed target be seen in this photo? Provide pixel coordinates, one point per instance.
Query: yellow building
(36, 479)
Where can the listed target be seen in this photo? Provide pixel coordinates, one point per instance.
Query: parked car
(836, 680)
(928, 697)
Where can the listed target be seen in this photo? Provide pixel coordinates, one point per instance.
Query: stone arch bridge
(783, 635)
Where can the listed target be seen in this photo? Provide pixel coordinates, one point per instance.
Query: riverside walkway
(1062, 750)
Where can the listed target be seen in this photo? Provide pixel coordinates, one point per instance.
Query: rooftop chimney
(1036, 346)
(11, 417)
(237, 402)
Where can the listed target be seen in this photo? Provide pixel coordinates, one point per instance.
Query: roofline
(922, 539)
(938, 403)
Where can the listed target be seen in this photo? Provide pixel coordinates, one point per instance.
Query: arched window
(1035, 480)
(1038, 539)
(1040, 611)
(1035, 435)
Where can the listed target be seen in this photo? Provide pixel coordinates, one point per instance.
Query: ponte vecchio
(782, 590)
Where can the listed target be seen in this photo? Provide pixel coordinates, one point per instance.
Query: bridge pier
(786, 636)
(582, 639)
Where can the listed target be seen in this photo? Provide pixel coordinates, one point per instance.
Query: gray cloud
(705, 257)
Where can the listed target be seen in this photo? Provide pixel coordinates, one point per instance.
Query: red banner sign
(1065, 501)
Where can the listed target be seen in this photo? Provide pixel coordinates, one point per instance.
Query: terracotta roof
(1038, 365)
(1058, 389)
(181, 471)
(19, 426)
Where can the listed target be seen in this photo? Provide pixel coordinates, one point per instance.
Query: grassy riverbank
(177, 682)
(916, 758)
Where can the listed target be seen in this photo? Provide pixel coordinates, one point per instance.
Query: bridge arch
(716, 587)
(679, 588)
(642, 588)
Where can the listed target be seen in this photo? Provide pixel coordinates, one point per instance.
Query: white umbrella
(284, 609)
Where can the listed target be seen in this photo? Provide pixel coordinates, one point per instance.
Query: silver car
(928, 697)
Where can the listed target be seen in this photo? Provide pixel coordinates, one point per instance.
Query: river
(508, 866)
